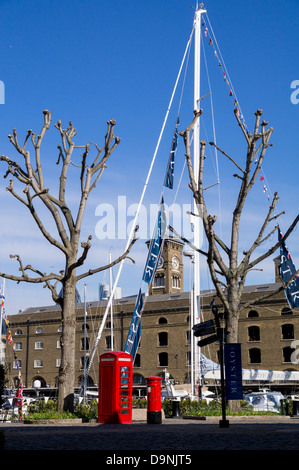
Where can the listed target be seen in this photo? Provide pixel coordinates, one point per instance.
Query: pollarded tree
(228, 273)
(67, 236)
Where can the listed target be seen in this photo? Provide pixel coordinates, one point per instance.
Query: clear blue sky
(92, 61)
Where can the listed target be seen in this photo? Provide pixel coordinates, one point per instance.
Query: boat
(265, 401)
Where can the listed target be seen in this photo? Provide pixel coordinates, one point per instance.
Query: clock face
(175, 262)
(160, 262)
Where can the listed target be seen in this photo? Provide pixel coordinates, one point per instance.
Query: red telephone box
(154, 414)
(115, 388)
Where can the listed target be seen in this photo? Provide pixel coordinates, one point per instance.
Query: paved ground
(173, 436)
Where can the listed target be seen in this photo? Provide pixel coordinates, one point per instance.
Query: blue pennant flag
(134, 334)
(170, 167)
(156, 246)
(287, 271)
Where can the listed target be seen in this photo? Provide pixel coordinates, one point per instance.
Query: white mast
(196, 218)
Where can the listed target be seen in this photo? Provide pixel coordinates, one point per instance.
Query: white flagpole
(196, 218)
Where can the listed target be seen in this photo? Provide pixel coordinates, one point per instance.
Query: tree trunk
(66, 379)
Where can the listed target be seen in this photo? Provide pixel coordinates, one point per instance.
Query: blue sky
(92, 61)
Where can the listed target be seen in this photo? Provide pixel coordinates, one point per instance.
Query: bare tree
(30, 175)
(227, 273)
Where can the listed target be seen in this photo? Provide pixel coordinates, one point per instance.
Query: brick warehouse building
(266, 333)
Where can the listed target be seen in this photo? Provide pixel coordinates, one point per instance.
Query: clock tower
(169, 274)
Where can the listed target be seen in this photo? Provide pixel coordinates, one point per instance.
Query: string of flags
(8, 331)
(234, 98)
(225, 76)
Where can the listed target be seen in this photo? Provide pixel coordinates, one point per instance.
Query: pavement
(174, 437)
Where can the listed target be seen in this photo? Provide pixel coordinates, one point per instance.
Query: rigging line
(222, 60)
(227, 74)
(214, 135)
(139, 206)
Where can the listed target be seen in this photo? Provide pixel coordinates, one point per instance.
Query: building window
(38, 345)
(137, 361)
(138, 379)
(176, 282)
(287, 331)
(163, 359)
(163, 338)
(58, 344)
(60, 329)
(253, 333)
(189, 358)
(253, 313)
(18, 346)
(38, 363)
(162, 320)
(108, 342)
(87, 326)
(255, 356)
(159, 281)
(58, 362)
(17, 364)
(19, 332)
(287, 353)
(286, 311)
(39, 331)
(188, 336)
(82, 344)
(82, 362)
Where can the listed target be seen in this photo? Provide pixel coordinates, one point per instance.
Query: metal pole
(1, 322)
(111, 307)
(84, 393)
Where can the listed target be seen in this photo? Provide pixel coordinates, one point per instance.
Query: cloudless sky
(92, 61)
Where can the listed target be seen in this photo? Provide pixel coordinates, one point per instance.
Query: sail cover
(287, 271)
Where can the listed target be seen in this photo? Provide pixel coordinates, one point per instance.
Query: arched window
(163, 338)
(286, 311)
(254, 333)
(287, 331)
(87, 326)
(138, 379)
(18, 332)
(253, 313)
(255, 356)
(39, 331)
(162, 320)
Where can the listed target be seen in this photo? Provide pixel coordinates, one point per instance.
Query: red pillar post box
(115, 388)
(153, 387)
